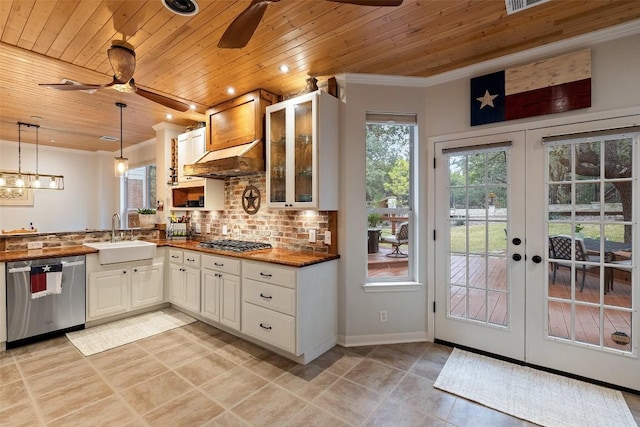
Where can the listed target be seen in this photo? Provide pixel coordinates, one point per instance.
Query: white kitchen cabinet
(302, 144)
(3, 306)
(293, 309)
(126, 287)
(184, 279)
(147, 285)
(108, 293)
(221, 290)
(191, 146)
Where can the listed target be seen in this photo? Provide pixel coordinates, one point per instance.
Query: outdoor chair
(400, 238)
(560, 249)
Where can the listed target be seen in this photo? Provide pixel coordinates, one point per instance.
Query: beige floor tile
(112, 411)
(201, 370)
(234, 386)
(392, 357)
(47, 361)
(398, 414)
(13, 394)
(226, 419)
(307, 381)
(419, 392)
(349, 401)
(64, 376)
(467, 414)
(242, 351)
(362, 350)
(71, 398)
(191, 409)
(9, 373)
(163, 341)
(271, 406)
(182, 354)
(134, 372)
(271, 366)
(199, 330)
(633, 402)
(338, 360)
(376, 376)
(117, 356)
(21, 415)
(148, 395)
(6, 358)
(412, 348)
(312, 416)
(432, 361)
(36, 349)
(216, 342)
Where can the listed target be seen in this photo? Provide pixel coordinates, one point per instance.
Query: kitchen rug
(533, 395)
(110, 335)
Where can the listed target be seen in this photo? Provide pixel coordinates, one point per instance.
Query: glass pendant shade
(121, 166)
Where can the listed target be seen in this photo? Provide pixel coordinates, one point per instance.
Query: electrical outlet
(34, 245)
(198, 228)
(327, 238)
(207, 228)
(383, 316)
(225, 230)
(312, 235)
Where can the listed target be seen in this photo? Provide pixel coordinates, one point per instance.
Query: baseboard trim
(378, 339)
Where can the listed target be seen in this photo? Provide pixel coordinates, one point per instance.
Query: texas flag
(46, 280)
(548, 86)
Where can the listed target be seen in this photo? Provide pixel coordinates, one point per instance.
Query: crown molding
(581, 41)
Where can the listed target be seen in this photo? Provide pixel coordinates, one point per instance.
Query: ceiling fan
(122, 58)
(242, 28)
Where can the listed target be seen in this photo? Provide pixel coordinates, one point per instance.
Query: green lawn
(497, 238)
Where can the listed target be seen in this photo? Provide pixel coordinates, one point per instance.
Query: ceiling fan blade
(370, 2)
(238, 34)
(161, 99)
(74, 86)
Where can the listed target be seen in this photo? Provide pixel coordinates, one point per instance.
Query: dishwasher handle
(65, 264)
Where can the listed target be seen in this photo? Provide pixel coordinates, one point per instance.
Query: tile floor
(200, 376)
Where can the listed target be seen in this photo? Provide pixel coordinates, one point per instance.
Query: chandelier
(12, 180)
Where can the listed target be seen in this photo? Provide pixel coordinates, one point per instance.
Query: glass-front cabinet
(301, 134)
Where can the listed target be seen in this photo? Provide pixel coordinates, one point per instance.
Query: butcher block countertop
(275, 256)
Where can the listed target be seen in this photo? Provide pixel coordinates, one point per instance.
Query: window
(140, 188)
(390, 144)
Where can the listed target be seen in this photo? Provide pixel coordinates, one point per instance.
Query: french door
(534, 249)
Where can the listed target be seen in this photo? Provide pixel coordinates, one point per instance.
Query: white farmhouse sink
(133, 250)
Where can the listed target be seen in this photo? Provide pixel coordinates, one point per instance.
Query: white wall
(91, 193)
(443, 109)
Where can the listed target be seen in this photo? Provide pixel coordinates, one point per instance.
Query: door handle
(537, 259)
(516, 257)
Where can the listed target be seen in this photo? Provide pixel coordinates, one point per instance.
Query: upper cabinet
(238, 121)
(190, 148)
(302, 153)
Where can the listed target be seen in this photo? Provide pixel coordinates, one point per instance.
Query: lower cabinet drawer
(269, 326)
(269, 296)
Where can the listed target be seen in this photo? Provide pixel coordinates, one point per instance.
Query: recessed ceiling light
(52, 140)
(169, 116)
(284, 68)
(182, 7)
(192, 107)
(231, 90)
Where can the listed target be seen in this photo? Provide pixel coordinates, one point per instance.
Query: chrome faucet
(113, 226)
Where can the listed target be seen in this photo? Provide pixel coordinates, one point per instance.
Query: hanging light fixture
(10, 180)
(122, 164)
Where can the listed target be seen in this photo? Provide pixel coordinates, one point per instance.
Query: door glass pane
(479, 288)
(589, 226)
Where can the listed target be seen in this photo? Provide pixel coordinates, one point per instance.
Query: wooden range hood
(235, 137)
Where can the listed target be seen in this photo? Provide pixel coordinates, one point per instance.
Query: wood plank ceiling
(44, 41)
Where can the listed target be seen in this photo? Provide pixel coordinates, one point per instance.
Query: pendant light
(10, 180)
(121, 164)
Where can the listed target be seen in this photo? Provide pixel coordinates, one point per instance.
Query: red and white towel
(46, 280)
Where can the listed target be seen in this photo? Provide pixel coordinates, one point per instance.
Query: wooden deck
(488, 299)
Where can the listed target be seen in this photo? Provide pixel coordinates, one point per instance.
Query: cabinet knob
(135, 270)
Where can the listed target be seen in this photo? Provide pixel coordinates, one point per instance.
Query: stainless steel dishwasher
(44, 297)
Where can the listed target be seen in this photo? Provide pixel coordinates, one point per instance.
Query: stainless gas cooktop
(235, 245)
